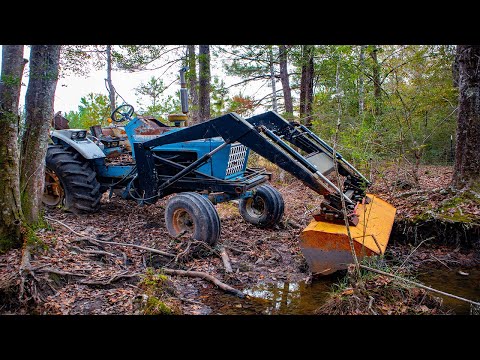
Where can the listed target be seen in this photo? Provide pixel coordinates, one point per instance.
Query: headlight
(78, 135)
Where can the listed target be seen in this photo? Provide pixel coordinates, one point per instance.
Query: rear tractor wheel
(264, 209)
(192, 214)
(70, 181)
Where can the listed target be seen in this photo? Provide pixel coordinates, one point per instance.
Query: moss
(7, 243)
(155, 306)
(159, 292)
(457, 215)
(450, 210)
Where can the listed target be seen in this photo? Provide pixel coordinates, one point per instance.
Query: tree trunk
(43, 76)
(10, 206)
(287, 92)
(467, 153)
(204, 82)
(306, 84)
(111, 89)
(192, 84)
(361, 86)
(377, 93)
(272, 80)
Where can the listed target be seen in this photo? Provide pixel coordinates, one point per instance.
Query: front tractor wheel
(192, 214)
(264, 209)
(70, 181)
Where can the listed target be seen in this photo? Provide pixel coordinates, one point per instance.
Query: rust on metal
(326, 245)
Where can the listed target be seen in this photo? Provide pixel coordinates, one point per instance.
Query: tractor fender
(86, 147)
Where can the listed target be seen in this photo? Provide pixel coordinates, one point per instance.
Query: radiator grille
(236, 159)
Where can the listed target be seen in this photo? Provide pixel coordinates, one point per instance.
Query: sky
(71, 88)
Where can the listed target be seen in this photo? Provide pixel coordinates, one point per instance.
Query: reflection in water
(299, 298)
(283, 298)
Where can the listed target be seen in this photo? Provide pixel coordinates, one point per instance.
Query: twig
(190, 301)
(109, 281)
(59, 272)
(225, 259)
(404, 261)
(370, 303)
(205, 276)
(112, 242)
(92, 252)
(419, 285)
(441, 262)
(237, 250)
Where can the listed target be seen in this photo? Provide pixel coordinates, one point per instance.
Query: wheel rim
(52, 191)
(183, 222)
(255, 207)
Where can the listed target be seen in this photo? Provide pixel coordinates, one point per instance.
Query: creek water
(300, 298)
(452, 281)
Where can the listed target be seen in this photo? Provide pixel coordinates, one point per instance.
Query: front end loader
(206, 164)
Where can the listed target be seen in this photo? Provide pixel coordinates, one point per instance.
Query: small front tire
(191, 213)
(264, 209)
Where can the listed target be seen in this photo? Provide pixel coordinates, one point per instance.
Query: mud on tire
(81, 190)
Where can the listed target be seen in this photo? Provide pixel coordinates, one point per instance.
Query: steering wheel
(125, 111)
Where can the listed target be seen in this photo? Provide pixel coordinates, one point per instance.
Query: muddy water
(279, 298)
(451, 281)
(299, 298)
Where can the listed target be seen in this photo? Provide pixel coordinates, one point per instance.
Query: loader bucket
(326, 246)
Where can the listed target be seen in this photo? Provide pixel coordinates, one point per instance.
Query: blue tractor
(206, 164)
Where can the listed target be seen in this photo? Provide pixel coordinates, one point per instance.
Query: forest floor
(78, 273)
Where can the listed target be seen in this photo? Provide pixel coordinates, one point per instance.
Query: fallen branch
(414, 192)
(419, 285)
(205, 276)
(226, 260)
(155, 251)
(404, 261)
(92, 252)
(59, 272)
(114, 278)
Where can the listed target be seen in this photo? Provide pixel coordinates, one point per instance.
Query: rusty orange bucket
(326, 246)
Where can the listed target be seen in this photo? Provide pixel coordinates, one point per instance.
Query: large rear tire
(191, 213)
(70, 181)
(264, 209)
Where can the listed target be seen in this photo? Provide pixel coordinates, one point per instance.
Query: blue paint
(114, 171)
(216, 166)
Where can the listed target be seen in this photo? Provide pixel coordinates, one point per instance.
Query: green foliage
(94, 109)
(219, 97)
(155, 102)
(417, 102)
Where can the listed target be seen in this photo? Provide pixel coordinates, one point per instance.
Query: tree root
(205, 276)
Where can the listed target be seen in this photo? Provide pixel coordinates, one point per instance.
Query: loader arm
(268, 135)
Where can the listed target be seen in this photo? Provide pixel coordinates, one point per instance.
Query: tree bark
(39, 99)
(111, 89)
(192, 84)
(272, 80)
(377, 93)
(204, 82)
(287, 91)
(306, 84)
(10, 205)
(467, 153)
(361, 86)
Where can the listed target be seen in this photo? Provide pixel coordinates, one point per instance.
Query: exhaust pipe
(183, 90)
